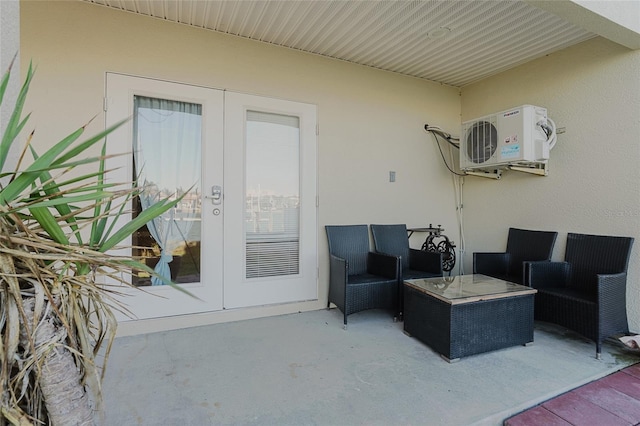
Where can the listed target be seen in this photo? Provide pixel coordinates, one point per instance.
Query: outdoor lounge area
(304, 369)
(466, 314)
(254, 131)
(466, 353)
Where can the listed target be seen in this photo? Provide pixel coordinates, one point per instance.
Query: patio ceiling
(454, 42)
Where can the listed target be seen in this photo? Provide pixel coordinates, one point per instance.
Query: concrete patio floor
(304, 369)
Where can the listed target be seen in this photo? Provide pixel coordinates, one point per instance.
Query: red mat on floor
(612, 400)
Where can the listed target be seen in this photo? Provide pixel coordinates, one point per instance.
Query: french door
(270, 226)
(244, 231)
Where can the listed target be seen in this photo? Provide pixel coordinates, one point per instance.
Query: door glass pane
(272, 194)
(167, 154)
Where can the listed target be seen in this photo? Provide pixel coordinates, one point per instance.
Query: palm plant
(57, 228)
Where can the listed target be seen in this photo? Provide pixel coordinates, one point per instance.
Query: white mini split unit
(518, 139)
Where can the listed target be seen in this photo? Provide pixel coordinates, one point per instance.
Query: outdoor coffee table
(468, 314)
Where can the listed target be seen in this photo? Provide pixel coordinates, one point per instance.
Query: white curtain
(167, 152)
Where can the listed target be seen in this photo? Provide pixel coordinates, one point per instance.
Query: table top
(468, 288)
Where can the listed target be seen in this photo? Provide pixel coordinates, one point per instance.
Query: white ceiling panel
(454, 42)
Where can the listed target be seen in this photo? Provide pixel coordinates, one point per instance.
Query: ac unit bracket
(539, 169)
(494, 174)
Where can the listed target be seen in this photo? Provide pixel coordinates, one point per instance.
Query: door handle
(216, 195)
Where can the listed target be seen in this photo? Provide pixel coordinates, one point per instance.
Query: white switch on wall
(392, 176)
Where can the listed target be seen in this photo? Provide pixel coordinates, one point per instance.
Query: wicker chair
(587, 292)
(414, 264)
(359, 278)
(522, 245)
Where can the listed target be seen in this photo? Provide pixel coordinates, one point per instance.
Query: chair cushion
(367, 279)
(370, 292)
(568, 308)
(568, 293)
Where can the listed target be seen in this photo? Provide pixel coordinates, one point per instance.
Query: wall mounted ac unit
(513, 137)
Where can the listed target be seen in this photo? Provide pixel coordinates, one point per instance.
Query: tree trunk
(65, 397)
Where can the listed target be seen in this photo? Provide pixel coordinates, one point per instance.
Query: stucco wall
(592, 90)
(9, 54)
(371, 122)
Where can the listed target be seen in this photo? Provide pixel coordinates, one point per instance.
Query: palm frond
(15, 124)
(54, 315)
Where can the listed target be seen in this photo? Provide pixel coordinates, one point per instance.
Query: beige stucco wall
(371, 122)
(592, 90)
(10, 57)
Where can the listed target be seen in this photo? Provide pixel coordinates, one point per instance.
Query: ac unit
(512, 137)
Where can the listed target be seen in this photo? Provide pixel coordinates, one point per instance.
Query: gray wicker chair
(522, 245)
(359, 278)
(414, 264)
(587, 292)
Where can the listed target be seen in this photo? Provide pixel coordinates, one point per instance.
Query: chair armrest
(338, 278)
(384, 265)
(339, 266)
(612, 287)
(612, 303)
(543, 274)
(425, 261)
(491, 263)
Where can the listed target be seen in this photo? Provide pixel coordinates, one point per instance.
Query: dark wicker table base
(463, 329)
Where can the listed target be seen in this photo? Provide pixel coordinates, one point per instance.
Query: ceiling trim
(618, 21)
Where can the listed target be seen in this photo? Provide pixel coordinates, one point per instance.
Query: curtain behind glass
(167, 150)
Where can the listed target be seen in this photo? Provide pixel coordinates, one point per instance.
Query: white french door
(270, 201)
(244, 233)
(171, 155)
